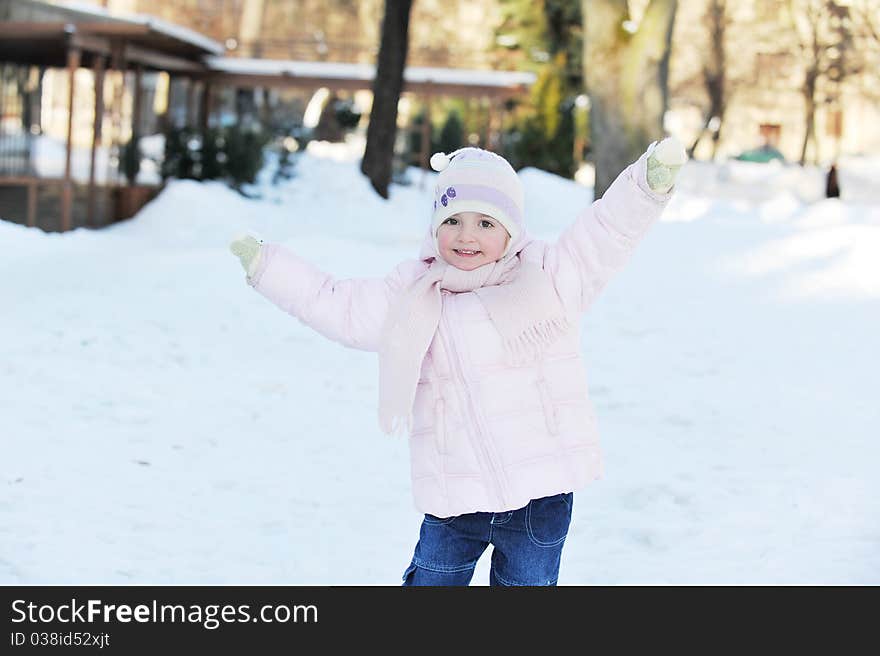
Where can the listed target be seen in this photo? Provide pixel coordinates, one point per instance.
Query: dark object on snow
(832, 190)
(765, 153)
(130, 162)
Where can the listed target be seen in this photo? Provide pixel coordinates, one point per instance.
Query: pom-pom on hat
(477, 180)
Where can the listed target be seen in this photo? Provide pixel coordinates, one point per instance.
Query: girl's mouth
(466, 253)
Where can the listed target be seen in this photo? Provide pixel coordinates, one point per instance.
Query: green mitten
(664, 161)
(247, 247)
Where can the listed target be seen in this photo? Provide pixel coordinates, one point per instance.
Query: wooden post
(138, 100)
(487, 124)
(502, 115)
(96, 134)
(117, 62)
(425, 155)
(190, 99)
(38, 98)
(136, 111)
(32, 204)
(205, 116)
(73, 59)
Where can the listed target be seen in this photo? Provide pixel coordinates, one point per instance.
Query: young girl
(480, 357)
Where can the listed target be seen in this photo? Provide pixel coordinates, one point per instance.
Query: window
(770, 133)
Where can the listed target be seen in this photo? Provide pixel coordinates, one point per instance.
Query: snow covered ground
(163, 423)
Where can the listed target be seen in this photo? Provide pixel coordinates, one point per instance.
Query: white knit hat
(477, 180)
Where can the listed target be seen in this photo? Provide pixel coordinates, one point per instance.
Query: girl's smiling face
(468, 240)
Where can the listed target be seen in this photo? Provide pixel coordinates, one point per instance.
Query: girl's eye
(489, 223)
(451, 221)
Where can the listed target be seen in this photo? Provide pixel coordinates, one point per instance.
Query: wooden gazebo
(36, 36)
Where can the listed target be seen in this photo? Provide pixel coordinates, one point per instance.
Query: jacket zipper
(482, 439)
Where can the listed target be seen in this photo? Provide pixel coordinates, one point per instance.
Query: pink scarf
(519, 297)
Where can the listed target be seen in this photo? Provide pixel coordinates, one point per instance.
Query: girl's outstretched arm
(604, 235)
(350, 311)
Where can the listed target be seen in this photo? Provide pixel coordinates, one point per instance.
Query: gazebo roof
(37, 32)
(156, 26)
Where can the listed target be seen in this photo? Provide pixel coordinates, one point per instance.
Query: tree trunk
(809, 111)
(626, 79)
(715, 73)
(249, 43)
(715, 89)
(810, 120)
(716, 138)
(382, 128)
(250, 27)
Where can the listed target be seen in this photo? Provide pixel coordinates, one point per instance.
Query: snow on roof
(468, 76)
(244, 66)
(155, 24)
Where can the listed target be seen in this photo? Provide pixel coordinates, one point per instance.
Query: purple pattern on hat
(491, 195)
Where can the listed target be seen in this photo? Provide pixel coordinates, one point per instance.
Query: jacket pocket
(549, 409)
(548, 519)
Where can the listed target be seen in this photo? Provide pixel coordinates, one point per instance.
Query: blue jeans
(527, 545)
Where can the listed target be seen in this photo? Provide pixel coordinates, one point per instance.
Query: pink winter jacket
(487, 436)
